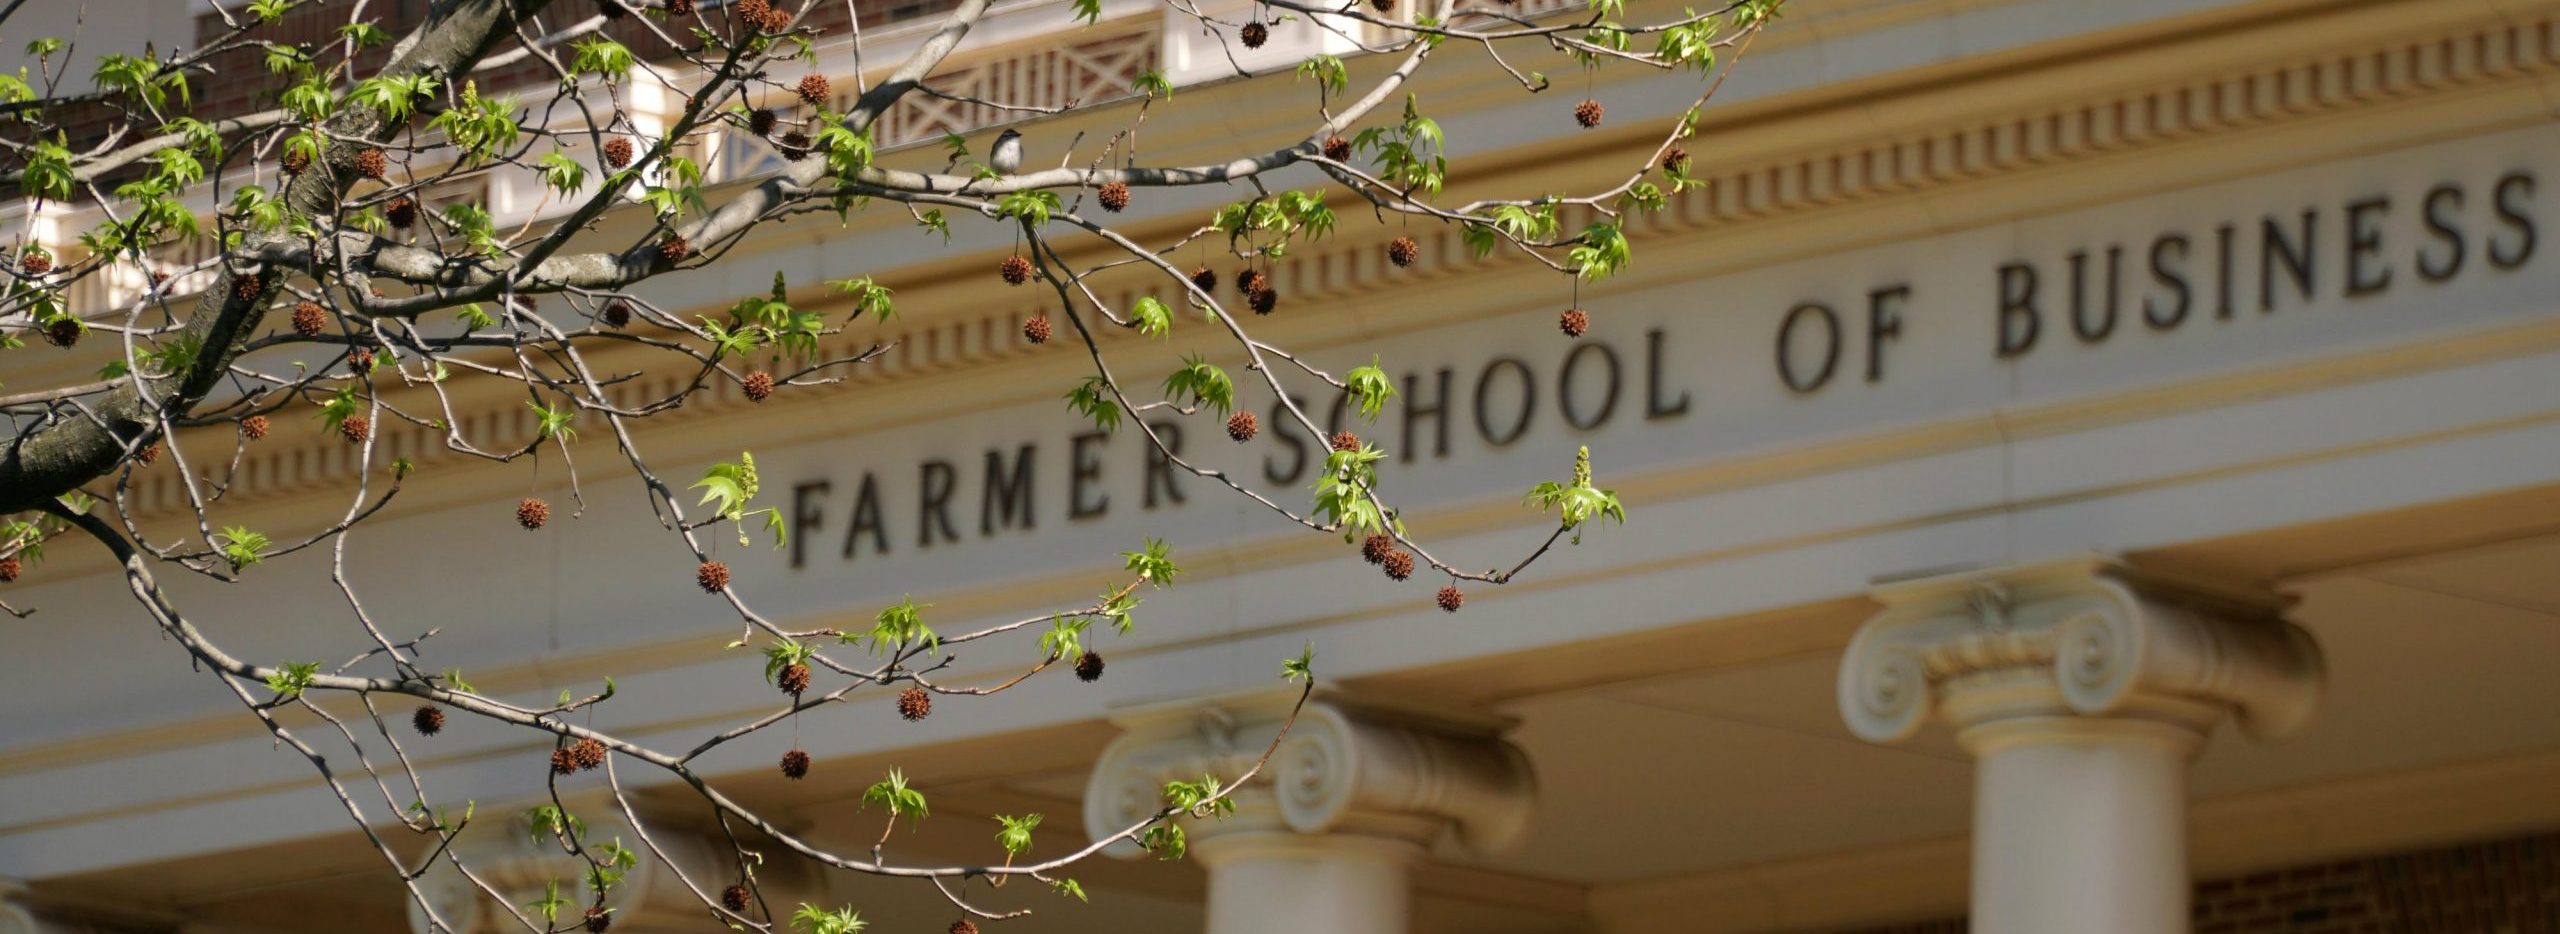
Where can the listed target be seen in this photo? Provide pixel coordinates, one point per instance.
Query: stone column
(1325, 837)
(2082, 687)
(504, 854)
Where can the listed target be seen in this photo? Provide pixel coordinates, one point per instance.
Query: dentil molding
(2440, 52)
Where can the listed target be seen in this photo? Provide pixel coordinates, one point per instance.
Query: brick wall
(2509, 886)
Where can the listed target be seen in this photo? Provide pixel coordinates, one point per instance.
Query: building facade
(2092, 468)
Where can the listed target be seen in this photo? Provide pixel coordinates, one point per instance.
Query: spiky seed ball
(1036, 330)
(680, 7)
(795, 764)
(735, 897)
(1383, 6)
(712, 575)
(64, 331)
(813, 88)
(355, 429)
(1264, 300)
(753, 11)
(147, 453)
(1402, 251)
(1089, 666)
(674, 249)
(532, 513)
(296, 160)
(795, 145)
(1242, 426)
(587, 753)
(562, 763)
(1588, 113)
(776, 19)
(617, 151)
(10, 569)
(1675, 159)
(402, 212)
(914, 703)
(254, 428)
(1574, 321)
(371, 163)
(1251, 280)
(1337, 149)
(429, 720)
(758, 385)
(248, 286)
(1345, 441)
(1015, 269)
(964, 926)
(36, 263)
(1451, 598)
(1375, 548)
(792, 679)
(308, 319)
(360, 360)
(617, 313)
(598, 919)
(761, 121)
(612, 9)
(1254, 35)
(1399, 564)
(1114, 196)
(1205, 279)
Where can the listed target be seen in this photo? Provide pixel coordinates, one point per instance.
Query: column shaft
(2081, 827)
(1282, 882)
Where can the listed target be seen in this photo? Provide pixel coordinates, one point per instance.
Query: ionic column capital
(2001, 653)
(1348, 765)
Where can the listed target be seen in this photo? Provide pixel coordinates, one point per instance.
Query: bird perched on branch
(1006, 157)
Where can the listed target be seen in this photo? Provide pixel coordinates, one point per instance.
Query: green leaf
(1603, 252)
(1152, 317)
(1369, 388)
(550, 903)
(730, 486)
(600, 56)
(893, 795)
(811, 919)
(1035, 206)
(869, 297)
(395, 96)
(1578, 502)
(900, 625)
(292, 678)
(1328, 70)
(548, 822)
(1301, 668)
(1092, 400)
(561, 173)
(784, 654)
(1152, 563)
(364, 33)
(1201, 384)
(554, 422)
(1015, 837)
(242, 547)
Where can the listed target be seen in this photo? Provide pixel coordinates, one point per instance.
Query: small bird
(1006, 157)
